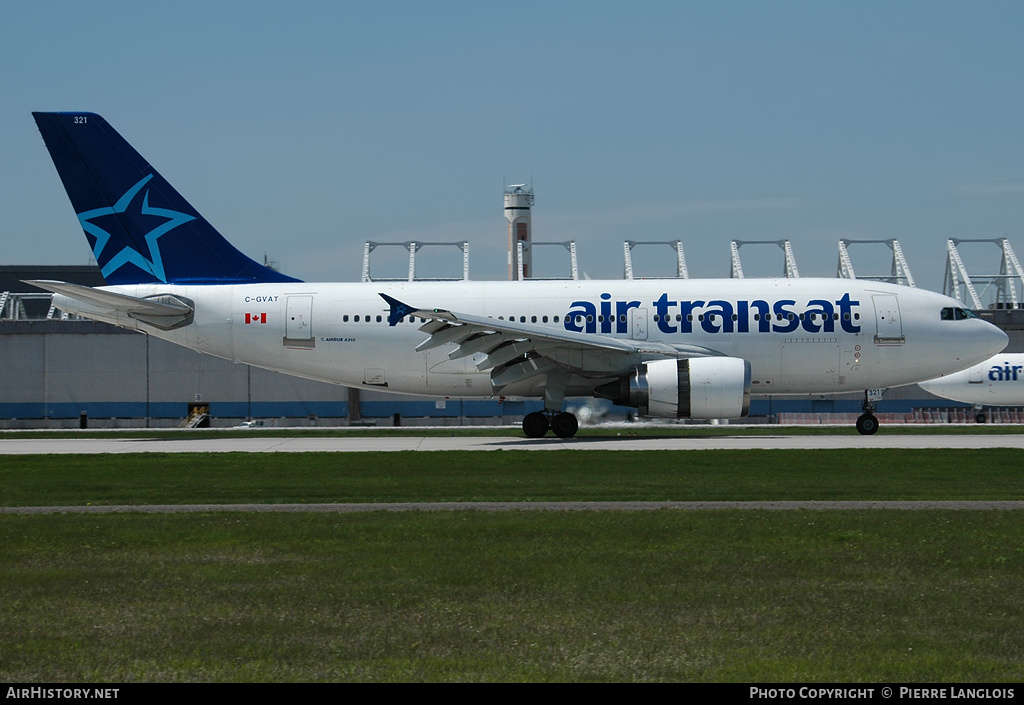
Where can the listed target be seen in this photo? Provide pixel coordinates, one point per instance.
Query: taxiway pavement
(340, 444)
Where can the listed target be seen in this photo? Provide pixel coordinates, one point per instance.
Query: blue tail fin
(141, 230)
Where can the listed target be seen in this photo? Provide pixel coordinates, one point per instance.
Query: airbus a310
(693, 349)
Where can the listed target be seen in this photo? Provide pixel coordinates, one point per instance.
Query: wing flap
(444, 335)
(484, 342)
(505, 353)
(521, 371)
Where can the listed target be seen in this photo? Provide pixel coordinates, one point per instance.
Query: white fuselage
(998, 381)
(801, 336)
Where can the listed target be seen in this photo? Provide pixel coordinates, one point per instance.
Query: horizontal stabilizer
(165, 312)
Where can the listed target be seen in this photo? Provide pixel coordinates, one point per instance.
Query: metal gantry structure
(898, 274)
(15, 306)
(789, 269)
(677, 245)
(524, 254)
(1001, 289)
(413, 247)
(1007, 285)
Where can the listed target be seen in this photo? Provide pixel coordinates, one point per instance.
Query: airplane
(695, 349)
(997, 381)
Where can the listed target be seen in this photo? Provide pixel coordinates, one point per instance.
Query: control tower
(518, 200)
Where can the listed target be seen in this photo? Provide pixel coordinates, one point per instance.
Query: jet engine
(695, 388)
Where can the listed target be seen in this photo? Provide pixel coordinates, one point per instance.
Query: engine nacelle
(695, 388)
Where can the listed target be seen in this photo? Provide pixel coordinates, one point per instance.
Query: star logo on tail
(129, 255)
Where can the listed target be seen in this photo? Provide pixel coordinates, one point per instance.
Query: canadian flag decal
(255, 318)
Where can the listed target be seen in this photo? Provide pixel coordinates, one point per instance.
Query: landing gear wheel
(867, 424)
(980, 418)
(565, 425)
(535, 425)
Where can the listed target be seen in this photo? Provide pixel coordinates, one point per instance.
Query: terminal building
(61, 372)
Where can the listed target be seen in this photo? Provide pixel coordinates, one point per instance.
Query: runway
(356, 443)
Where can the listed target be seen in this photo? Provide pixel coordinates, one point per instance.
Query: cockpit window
(956, 314)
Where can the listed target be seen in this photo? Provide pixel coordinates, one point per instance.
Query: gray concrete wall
(52, 371)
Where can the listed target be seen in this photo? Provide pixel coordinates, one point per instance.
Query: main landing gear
(537, 423)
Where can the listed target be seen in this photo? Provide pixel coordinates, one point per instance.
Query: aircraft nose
(996, 339)
(933, 386)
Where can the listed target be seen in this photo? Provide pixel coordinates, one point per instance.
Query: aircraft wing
(517, 351)
(164, 312)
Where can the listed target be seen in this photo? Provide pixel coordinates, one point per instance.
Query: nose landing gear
(867, 424)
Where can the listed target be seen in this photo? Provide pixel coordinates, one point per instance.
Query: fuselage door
(298, 326)
(638, 323)
(889, 326)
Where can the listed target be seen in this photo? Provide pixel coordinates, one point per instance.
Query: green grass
(512, 476)
(742, 596)
(738, 596)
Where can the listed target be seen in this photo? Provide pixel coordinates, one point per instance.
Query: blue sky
(300, 130)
